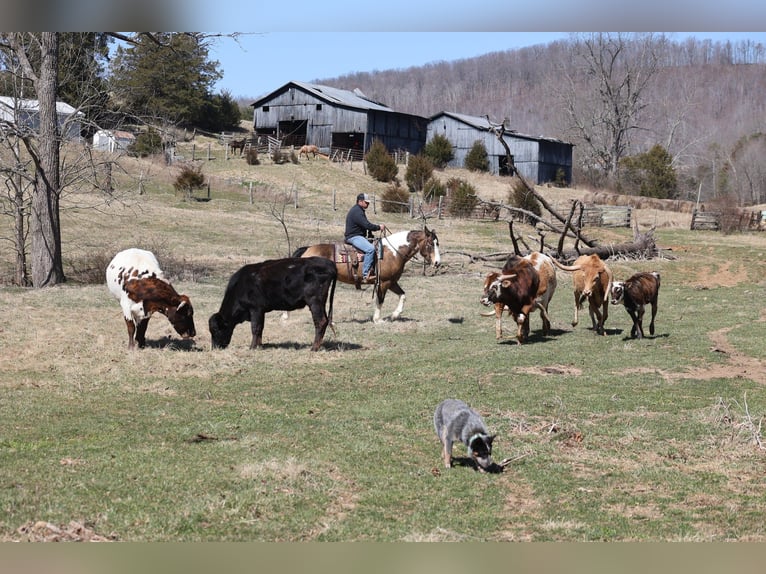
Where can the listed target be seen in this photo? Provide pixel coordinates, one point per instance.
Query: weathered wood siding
(537, 160)
(323, 119)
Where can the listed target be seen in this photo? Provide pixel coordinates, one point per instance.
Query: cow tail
(332, 298)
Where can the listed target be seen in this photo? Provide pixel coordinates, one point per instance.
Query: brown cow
(639, 290)
(515, 287)
(592, 279)
(545, 290)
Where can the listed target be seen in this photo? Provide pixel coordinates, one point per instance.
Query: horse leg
(400, 306)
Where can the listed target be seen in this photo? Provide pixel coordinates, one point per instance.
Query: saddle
(353, 257)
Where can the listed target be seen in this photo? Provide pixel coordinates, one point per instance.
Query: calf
(545, 290)
(275, 285)
(639, 290)
(515, 287)
(591, 280)
(135, 279)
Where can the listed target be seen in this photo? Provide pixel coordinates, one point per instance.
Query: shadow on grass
(465, 461)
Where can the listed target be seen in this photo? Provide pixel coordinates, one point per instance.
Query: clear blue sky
(259, 63)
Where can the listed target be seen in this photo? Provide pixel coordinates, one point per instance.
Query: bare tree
(606, 80)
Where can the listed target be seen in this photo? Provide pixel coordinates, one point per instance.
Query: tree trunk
(47, 264)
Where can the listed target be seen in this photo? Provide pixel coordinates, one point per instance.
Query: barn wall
(396, 130)
(537, 160)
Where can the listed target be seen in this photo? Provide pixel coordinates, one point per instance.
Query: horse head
(427, 244)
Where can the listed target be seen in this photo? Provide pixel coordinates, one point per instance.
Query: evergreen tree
(649, 174)
(166, 75)
(380, 164)
(477, 158)
(439, 151)
(419, 171)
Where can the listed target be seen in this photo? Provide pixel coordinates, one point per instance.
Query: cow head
(181, 316)
(618, 291)
(220, 331)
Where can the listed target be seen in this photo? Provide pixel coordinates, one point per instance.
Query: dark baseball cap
(363, 197)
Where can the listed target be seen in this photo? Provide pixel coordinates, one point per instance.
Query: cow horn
(181, 304)
(506, 277)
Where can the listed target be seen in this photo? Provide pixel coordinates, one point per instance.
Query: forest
(613, 96)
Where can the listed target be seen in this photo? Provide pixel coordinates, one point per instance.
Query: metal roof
(355, 99)
(483, 124)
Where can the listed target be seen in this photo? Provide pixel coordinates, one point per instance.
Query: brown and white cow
(545, 290)
(639, 290)
(591, 280)
(514, 287)
(135, 279)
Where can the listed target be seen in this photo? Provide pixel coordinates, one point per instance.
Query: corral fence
(735, 219)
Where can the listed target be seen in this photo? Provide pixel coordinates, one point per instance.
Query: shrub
(433, 189)
(380, 165)
(439, 151)
(395, 199)
(147, 143)
(463, 198)
(477, 158)
(519, 196)
(189, 179)
(278, 157)
(419, 171)
(649, 174)
(251, 156)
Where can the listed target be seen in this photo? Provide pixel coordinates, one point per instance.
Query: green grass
(616, 439)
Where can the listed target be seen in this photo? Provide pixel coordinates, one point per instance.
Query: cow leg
(578, 304)
(545, 317)
(640, 322)
(131, 333)
(400, 305)
(320, 324)
(654, 313)
(499, 308)
(257, 321)
(634, 330)
(141, 333)
(604, 313)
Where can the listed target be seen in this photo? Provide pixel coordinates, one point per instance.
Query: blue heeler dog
(456, 421)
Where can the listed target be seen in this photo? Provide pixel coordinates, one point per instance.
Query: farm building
(17, 111)
(112, 140)
(333, 119)
(538, 159)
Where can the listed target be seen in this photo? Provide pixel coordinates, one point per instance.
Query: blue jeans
(362, 244)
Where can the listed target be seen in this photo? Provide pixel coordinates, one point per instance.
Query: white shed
(112, 140)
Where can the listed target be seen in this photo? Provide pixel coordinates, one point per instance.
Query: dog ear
(490, 438)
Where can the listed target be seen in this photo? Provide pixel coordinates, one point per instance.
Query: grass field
(613, 439)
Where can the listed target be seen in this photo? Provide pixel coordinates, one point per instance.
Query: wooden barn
(333, 119)
(538, 159)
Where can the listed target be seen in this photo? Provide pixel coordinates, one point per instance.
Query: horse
(237, 145)
(307, 149)
(398, 248)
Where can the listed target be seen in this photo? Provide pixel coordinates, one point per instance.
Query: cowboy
(357, 227)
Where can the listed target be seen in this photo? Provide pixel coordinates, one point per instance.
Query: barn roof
(482, 124)
(335, 96)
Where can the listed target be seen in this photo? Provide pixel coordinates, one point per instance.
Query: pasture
(612, 439)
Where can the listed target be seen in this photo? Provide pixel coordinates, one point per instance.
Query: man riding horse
(357, 226)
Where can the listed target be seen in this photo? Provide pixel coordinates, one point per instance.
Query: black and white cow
(275, 285)
(640, 289)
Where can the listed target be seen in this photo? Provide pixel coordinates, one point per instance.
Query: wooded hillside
(704, 103)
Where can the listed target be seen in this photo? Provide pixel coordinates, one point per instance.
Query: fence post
(251, 193)
(334, 207)
(208, 151)
(439, 209)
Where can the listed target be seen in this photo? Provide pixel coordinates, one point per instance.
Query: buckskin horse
(398, 248)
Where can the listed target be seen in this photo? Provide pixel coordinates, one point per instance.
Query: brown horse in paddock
(307, 149)
(238, 145)
(397, 249)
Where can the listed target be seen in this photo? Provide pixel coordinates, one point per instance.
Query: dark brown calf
(639, 290)
(515, 287)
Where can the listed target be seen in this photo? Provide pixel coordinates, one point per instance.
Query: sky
(258, 63)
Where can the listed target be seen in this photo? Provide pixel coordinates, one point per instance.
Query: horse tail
(300, 251)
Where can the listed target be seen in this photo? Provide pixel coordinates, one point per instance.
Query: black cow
(275, 285)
